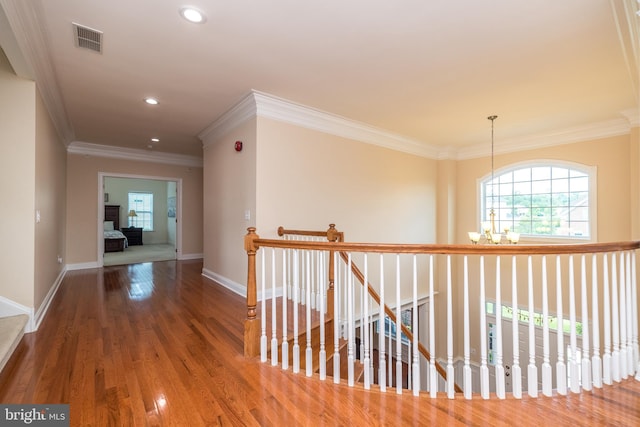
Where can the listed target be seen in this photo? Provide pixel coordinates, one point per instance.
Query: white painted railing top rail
(567, 312)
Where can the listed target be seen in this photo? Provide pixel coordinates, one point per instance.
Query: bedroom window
(551, 200)
(142, 204)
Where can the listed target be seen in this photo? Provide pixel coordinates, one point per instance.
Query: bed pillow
(108, 226)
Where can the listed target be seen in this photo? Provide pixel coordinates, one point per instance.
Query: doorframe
(101, 203)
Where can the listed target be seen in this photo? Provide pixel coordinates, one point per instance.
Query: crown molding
(275, 108)
(244, 110)
(572, 135)
(97, 150)
(34, 62)
(260, 104)
(633, 116)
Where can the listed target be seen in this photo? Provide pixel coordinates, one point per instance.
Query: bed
(114, 240)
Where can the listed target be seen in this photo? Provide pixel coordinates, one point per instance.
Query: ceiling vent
(87, 38)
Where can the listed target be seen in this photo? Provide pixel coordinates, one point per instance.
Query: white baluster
(586, 362)
(466, 370)
(630, 360)
(274, 322)
(624, 371)
(302, 283)
(350, 327)
(415, 383)
(532, 369)
(364, 326)
(574, 380)
(263, 314)
(499, 368)
(322, 355)
(450, 370)
(596, 362)
(398, 330)
(547, 379)
(290, 271)
(390, 364)
(561, 367)
(516, 371)
(337, 287)
(607, 374)
(362, 300)
(308, 360)
(296, 294)
(382, 372)
(433, 376)
(484, 370)
(286, 256)
(615, 327)
(634, 287)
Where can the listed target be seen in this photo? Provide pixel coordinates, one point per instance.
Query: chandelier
(489, 232)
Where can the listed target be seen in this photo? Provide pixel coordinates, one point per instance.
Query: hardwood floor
(159, 344)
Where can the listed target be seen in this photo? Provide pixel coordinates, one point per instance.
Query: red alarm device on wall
(238, 145)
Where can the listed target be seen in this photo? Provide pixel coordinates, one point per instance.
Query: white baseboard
(191, 256)
(82, 266)
(236, 287)
(227, 283)
(44, 307)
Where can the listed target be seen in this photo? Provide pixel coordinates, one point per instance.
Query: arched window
(549, 199)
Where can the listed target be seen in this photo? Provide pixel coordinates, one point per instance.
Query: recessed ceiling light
(192, 14)
(151, 101)
(155, 140)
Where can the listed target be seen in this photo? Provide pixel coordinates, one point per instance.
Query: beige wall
(50, 201)
(17, 185)
(83, 203)
(308, 179)
(229, 191)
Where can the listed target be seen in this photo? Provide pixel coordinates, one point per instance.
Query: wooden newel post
(333, 236)
(251, 324)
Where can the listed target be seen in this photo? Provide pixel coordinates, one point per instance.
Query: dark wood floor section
(158, 344)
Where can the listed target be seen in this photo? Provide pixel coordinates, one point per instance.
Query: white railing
(482, 311)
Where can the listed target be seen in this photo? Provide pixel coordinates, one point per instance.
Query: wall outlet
(59, 259)
(247, 215)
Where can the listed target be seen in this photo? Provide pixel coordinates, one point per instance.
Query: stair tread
(11, 332)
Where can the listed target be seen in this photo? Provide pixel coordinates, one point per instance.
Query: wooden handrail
(583, 248)
(421, 348)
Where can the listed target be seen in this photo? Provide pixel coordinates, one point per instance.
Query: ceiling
(429, 71)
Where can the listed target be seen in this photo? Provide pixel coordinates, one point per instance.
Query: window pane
(522, 188)
(538, 187)
(560, 185)
(539, 200)
(522, 175)
(142, 205)
(580, 184)
(540, 173)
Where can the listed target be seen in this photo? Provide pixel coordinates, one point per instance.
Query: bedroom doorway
(138, 219)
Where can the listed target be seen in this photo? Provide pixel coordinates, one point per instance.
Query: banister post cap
(249, 238)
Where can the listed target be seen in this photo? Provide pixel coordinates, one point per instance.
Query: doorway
(148, 210)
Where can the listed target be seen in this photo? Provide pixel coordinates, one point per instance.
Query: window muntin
(540, 200)
(142, 203)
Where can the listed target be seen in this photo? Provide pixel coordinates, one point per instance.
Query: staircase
(11, 332)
